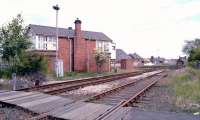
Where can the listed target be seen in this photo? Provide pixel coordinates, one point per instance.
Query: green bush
(31, 63)
(5, 73)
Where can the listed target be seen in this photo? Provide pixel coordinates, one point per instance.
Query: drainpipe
(70, 55)
(88, 57)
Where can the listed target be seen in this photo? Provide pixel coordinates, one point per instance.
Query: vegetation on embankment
(77, 75)
(186, 89)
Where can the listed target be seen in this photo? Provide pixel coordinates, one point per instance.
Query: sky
(147, 27)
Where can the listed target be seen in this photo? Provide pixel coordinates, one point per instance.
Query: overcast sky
(148, 27)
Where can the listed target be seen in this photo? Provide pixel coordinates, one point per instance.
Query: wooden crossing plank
(49, 106)
(2, 91)
(85, 112)
(98, 112)
(16, 95)
(58, 112)
(39, 102)
(119, 114)
(58, 106)
(27, 98)
(4, 94)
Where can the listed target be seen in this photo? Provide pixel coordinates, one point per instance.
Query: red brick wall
(50, 63)
(90, 47)
(84, 60)
(79, 50)
(126, 64)
(91, 44)
(79, 55)
(106, 66)
(64, 53)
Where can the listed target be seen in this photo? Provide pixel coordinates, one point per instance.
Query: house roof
(135, 56)
(120, 54)
(64, 32)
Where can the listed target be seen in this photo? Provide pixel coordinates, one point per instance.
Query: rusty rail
(126, 103)
(73, 81)
(98, 96)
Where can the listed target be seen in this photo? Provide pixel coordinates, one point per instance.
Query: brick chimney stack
(77, 28)
(79, 48)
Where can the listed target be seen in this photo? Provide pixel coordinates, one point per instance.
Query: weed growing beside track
(186, 88)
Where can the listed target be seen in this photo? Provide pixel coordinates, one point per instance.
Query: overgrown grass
(186, 87)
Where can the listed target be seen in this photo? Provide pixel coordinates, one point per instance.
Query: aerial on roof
(64, 32)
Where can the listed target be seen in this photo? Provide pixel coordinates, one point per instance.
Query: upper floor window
(102, 45)
(45, 42)
(51, 43)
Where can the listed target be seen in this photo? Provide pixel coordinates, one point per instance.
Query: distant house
(138, 60)
(121, 59)
(157, 60)
(170, 61)
(120, 54)
(128, 61)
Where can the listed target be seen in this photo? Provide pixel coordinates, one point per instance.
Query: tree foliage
(14, 41)
(14, 49)
(100, 58)
(190, 45)
(32, 63)
(194, 55)
(192, 49)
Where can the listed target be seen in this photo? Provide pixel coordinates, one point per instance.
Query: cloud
(185, 1)
(157, 27)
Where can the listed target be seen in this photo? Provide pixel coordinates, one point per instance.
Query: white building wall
(112, 50)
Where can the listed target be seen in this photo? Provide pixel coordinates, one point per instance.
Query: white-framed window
(106, 46)
(51, 43)
(42, 42)
(45, 42)
(102, 45)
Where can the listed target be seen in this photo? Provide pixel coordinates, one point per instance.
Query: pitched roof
(63, 32)
(135, 56)
(120, 54)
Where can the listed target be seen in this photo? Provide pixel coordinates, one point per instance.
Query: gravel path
(89, 91)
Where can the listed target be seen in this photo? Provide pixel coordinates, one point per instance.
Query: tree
(100, 58)
(189, 45)
(194, 56)
(14, 41)
(14, 50)
(192, 49)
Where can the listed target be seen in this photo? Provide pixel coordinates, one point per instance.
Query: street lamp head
(55, 7)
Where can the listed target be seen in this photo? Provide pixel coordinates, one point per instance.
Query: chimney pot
(77, 21)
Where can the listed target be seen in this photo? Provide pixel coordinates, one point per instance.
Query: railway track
(122, 96)
(124, 91)
(125, 98)
(61, 87)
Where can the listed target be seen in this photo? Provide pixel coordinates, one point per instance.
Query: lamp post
(56, 8)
